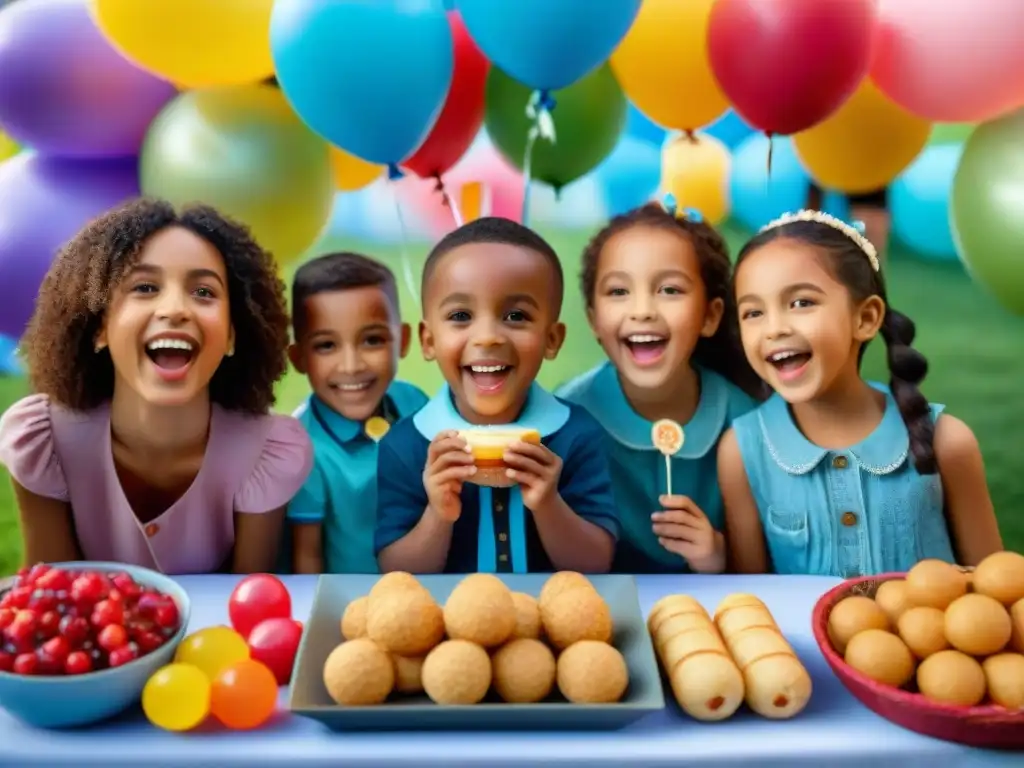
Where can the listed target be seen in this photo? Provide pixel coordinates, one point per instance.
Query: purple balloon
(64, 90)
(44, 202)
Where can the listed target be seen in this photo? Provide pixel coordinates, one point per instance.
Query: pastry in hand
(488, 447)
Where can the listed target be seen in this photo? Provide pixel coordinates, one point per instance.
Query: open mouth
(488, 377)
(353, 387)
(790, 363)
(646, 348)
(171, 357)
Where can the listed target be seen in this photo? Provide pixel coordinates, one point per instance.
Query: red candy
(274, 642)
(62, 622)
(257, 598)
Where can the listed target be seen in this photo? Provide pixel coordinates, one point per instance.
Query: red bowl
(987, 726)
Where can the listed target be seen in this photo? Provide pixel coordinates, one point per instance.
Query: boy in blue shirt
(349, 337)
(492, 293)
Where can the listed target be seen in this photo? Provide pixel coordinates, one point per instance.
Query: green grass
(973, 347)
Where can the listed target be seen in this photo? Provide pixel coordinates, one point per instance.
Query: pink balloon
(953, 61)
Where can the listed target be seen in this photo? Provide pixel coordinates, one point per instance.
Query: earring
(231, 351)
(100, 346)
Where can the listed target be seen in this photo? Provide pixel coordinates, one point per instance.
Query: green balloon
(242, 150)
(951, 133)
(987, 208)
(589, 117)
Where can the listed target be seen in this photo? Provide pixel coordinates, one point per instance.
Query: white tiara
(830, 221)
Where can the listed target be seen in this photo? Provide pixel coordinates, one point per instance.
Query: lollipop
(667, 437)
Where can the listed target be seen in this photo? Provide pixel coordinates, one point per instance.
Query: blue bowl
(77, 700)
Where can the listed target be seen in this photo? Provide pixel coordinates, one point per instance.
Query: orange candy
(244, 695)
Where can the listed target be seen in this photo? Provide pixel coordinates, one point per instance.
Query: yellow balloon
(8, 147)
(212, 650)
(696, 171)
(192, 42)
(351, 172)
(176, 697)
(663, 67)
(864, 145)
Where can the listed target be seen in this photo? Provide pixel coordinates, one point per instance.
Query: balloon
(192, 42)
(786, 65)
(919, 202)
(463, 112)
(212, 649)
(548, 44)
(639, 126)
(176, 697)
(757, 196)
(951, 133)
(370, 77)
(350, 172)
(64, 90)
(8, 147)
(961, 62)
(274, 642)
(864, 144)
(244, 695)
(44, 202)
(629, 175)
(662, 64)
(987, 208)
(242, 150)
(696, 170)
(10, 364)
(729, 129)
(256, 598)
(589, 118)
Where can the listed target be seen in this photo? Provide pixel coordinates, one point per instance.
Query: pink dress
(253, 464)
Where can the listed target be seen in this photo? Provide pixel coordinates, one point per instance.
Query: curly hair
(721, 352)
(59, 343)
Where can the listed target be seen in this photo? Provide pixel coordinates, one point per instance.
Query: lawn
(974, 350)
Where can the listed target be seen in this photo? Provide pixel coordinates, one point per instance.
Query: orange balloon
(244, 695)
(351, 172)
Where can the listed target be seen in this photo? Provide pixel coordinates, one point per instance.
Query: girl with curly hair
(153, 352)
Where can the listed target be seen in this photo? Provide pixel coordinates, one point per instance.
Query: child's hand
(683, 528)
(537, 470)
(449, 464)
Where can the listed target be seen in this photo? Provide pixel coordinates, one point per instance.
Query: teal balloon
(242, 150)
(987, 208)
(589, 117)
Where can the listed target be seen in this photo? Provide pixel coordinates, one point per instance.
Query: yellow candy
(212, 649)
(177, 697)
(376, 427)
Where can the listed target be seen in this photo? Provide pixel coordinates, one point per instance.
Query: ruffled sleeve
(282, 467)
(27, 449)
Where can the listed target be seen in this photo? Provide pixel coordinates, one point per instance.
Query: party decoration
(351, 173)
(274, 642)
(463, 111)
(729, 129)
(864, 145)
(630, 175)
(243, 695)
(44, 202)
(951, 133)
(243, 150)
(10, 365)
(956, 62)
(212, 649)
(786, 65)
(64, 90)
(987, 208)
(590, 117)
(662, 64)
(695, 169)
(919, 202)
(257, 598)
(757, 196)
(192, 42)
(176, 697)
(8, 147)
(548, 44)
(370, 77)
(641, 127)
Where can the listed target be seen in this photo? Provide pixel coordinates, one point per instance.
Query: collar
(543, 412)
(345, 430)
(883, 451)
(608, 404)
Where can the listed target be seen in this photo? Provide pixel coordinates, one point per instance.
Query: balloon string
(538, 111)
(448, 200)
(771, 146)
(407, 273)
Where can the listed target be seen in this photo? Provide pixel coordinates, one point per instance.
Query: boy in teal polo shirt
(349, 337)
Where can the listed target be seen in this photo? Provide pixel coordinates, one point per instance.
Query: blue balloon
(630, 175)
(370, 77)
(919, 202)
(642, 127)
(729, 129)
(757, 198)
(547, 44)
(10, 365)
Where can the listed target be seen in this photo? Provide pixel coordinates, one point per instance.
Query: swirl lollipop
(667, 437)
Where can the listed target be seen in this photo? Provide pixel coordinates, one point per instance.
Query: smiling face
(168, 325)
(349, 348)
(650, 306)
(800, 327)
(490, 319)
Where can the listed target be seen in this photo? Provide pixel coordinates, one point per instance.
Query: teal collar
(882, 452)
(543, 412)
(344, 430)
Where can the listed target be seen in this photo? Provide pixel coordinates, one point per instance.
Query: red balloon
(788, 64)
(256, 598)
(463, 111)
(274, 642)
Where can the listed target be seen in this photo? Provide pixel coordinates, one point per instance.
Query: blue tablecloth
(835, 731)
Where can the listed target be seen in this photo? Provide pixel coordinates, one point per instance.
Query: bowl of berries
(79, 640)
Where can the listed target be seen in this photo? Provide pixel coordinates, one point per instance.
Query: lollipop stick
(668, 474)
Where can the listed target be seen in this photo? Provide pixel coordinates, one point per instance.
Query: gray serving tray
(308, 696)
